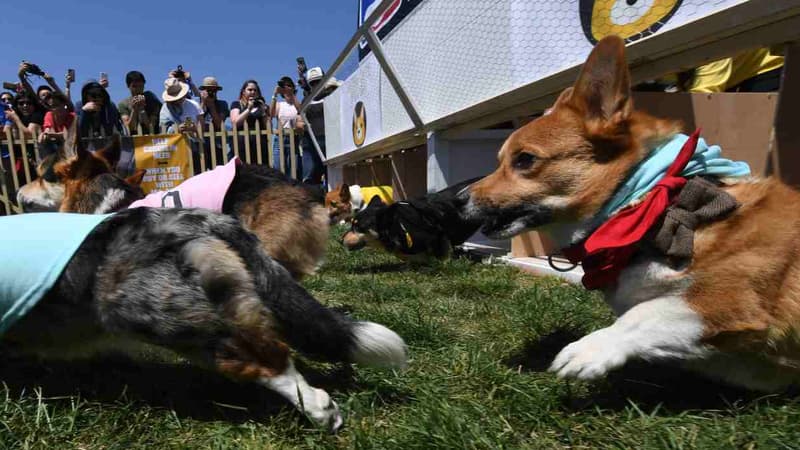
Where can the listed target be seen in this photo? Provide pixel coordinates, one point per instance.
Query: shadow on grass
(668, 388)
(190, 391)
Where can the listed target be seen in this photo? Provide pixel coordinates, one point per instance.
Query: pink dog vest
(206, 190)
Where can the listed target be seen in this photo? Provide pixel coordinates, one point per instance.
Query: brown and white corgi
(346, 201)
(731, 310)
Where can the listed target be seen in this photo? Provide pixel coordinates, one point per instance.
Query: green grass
(480, 339)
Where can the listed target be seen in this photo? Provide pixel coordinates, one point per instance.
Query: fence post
(13, 158)
(292, 154)
(236, 141)
(225, 145)
(258, 142)
(4, 183)
(270, 145)
(212, 143)
(201, 146)
(281, 159)
(25, 164)
(247, 142)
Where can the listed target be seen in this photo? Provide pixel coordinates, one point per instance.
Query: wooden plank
(281, 159)
(785, 149)
(13, 158)
(738, 122)
(225, 145)
(4, 183)
(258, 142)
(25, 165)
(292, 154)
(212, 142)
(247, 136)
(270, 144)
(236, 142)
(201, 145)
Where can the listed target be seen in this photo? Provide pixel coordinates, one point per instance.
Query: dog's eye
(524, 161)
(334, 204)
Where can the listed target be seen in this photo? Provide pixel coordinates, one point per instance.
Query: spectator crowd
(50, 114)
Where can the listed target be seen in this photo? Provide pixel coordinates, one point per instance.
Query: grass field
(480, 338)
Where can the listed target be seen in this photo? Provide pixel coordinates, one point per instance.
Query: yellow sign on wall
(166, 157)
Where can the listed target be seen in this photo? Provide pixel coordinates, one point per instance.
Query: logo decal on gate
(359, 124)
(628, 19)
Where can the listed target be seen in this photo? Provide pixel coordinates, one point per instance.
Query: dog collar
(607, 251)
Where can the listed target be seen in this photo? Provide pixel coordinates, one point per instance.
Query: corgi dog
(288, 217)
(729, 307)
(188, 280)
(418, 229)
(346, 201)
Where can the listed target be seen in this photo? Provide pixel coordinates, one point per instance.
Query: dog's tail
(308, 326)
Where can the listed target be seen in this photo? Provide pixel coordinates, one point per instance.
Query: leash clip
(559, 269)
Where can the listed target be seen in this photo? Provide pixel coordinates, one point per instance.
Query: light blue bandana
(35, 250)
(706, 161)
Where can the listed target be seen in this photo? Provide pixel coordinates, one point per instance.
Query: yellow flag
(167, 159)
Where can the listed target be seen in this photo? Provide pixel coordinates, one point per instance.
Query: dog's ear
(136, 178)
(562, 99)
(110, 153)
(344, 193)
(375, 202)
(603, 89)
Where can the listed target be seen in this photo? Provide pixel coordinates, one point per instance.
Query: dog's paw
(323, 411)
(591, 357)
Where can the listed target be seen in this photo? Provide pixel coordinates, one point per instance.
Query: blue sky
(233, 40)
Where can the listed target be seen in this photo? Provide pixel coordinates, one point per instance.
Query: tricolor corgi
(187, 280)
(700, 262)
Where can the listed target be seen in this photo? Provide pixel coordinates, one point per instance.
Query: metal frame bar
(378, 12)
(364, 31)
(388, 69)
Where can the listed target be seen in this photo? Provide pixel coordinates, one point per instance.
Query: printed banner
(360, 106)
(386, 23)
(166, 157)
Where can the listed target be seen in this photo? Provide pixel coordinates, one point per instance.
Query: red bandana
(607, 251)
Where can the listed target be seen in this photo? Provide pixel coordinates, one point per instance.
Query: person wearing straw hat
(177, 108)
(215, 111)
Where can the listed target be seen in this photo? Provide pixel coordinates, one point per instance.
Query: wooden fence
(214, 147)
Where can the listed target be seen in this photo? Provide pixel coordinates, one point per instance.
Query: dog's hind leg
(268, 364)
(202, 303)
(255, 351)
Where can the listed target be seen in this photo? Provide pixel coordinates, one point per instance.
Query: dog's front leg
(662, 328)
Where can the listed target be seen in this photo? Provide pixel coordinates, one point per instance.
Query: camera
(259, 101)
(301, 72)
(33, 69)
(179, 73)
(281, 84)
